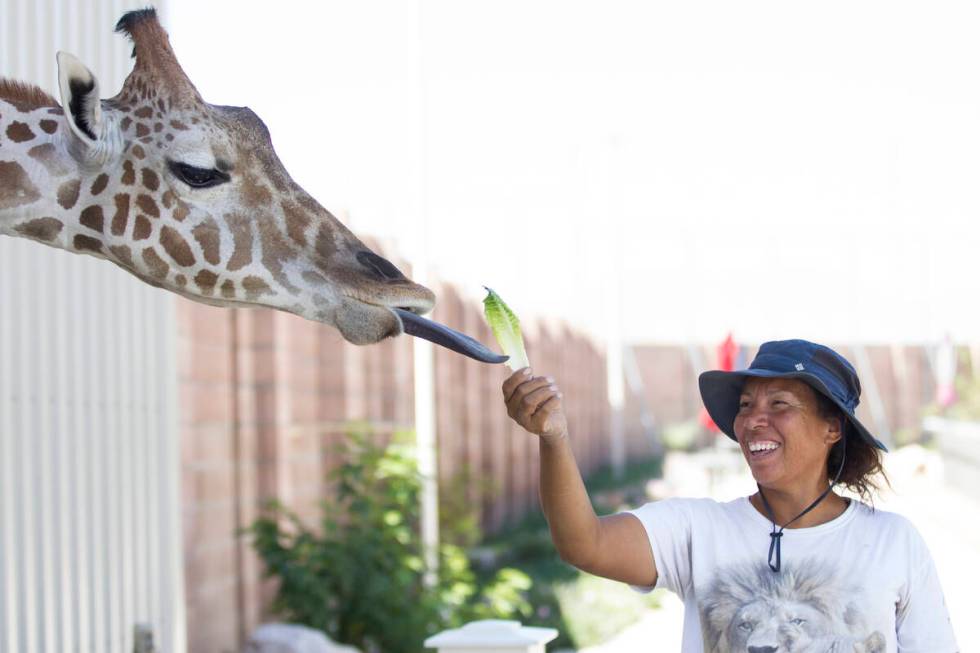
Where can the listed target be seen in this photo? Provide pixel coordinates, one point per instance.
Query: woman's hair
(862, 471)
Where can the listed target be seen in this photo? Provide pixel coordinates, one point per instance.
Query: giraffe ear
(80, 99)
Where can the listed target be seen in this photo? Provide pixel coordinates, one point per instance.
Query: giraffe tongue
(420, 327)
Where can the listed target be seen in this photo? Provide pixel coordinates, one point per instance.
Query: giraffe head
(191, 197)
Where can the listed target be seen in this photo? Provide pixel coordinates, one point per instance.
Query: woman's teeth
(759, 448)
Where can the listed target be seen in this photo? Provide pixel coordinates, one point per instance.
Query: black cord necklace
(777, 535)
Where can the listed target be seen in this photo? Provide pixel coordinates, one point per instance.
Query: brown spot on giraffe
(241, 233)
(208, 235)
(143, 112)
(228, 289)
(142, 229)
(122, 254)
(325, 246)
(148, 205)
(178, 125)
(178, 248)
(180, 211)
(206, 280)
(125, 123)
(19, 132)
(87, 243)
(315, 278)
(46, 229)
(142, 130)
(168, 199)
(297, 221)
(121, 217)
(255, 287)
(68, 193)
(47, 155)
(151, 180)
(49, 126)
(138, 152)
(16, 188)
(129, 173)
(99, 184)
(157, 266)
(93, 218)
(158, 127)
(180, 280)
(275, 251)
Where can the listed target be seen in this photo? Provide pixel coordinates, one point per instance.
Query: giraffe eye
(198, 177)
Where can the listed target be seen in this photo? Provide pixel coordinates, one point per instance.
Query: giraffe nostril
(381, 266)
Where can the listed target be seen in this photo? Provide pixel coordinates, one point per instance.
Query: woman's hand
(534, 402)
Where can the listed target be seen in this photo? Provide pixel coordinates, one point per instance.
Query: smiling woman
(852, 579)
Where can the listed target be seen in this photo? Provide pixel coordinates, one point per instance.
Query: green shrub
(361, 576)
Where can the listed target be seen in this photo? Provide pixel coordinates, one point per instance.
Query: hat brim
(720, 392)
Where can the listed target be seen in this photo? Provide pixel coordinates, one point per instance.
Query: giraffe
(191, 197)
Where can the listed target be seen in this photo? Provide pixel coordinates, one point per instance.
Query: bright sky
(770, 168)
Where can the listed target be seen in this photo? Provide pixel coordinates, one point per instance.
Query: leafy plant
(361, 576)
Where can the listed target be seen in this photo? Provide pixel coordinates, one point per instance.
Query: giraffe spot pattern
(228, 289)
(129, 173)
(93, 218)
(168, 199)
(48, 126)
(87, 244)
(275, 251)
(241, 233)
(178, 248)
(122, 254)
(157, 266)
(180, 280)
(126, 122)
(297, 221)
(45, 229)
(206, 281)
(16, 187)
(138, 152)
(68, 193)
(315, 278)
(143, 112)
(151, 180)
(325, 246)
(142, 228)
(99, 184)
(121, 217)
(255, 287)
(142, 130)
(208, 235)
(178, 125)
(19, 132)
(47, 155)
(147, 205)
(180, 211)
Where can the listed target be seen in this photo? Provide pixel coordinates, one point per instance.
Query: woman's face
(783, 437)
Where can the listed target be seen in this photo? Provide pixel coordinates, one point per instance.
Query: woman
(795, 566)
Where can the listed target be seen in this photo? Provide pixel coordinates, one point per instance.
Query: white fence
(89, 465)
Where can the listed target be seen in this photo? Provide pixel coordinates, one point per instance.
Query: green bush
(361, 576)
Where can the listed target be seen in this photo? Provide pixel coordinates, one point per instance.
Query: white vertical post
(425, 400)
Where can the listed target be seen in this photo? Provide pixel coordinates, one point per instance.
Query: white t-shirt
(863, 582)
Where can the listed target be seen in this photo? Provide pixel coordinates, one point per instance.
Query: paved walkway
(948, 520)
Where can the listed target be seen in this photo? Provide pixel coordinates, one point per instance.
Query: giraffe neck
(41, 184)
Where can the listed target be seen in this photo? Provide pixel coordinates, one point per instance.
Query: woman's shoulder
(884, 521)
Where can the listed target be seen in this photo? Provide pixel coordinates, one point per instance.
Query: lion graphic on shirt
(801, 609)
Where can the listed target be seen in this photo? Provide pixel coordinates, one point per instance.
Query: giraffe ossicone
(191, 197)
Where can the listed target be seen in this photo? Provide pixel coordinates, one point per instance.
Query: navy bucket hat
(820, 367)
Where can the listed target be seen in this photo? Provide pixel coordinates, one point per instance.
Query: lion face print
(802, 609)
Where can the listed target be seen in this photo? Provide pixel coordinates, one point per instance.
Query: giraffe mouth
(420, 327)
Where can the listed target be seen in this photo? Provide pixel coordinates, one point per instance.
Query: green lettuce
(506, 329)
